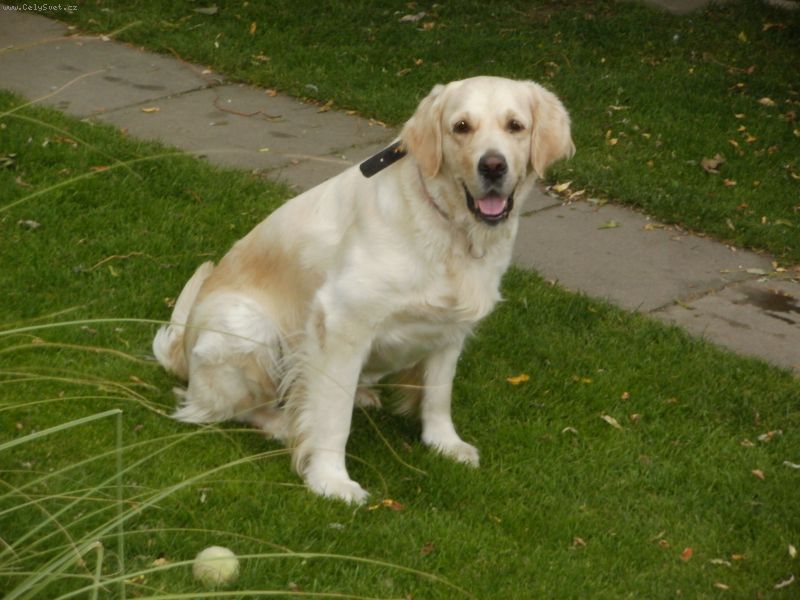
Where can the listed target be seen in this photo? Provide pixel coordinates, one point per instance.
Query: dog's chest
(439, 314)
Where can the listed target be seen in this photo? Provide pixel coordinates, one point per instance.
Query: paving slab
(105, 75)
(620, 255)
(304, 172)
(246, 127)
(756, 318)
(19, 30)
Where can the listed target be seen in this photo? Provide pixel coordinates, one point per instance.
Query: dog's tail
(168, 343)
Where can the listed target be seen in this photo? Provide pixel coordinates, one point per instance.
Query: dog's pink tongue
(492, 205)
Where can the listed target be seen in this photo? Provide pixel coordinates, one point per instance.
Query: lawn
(634, 461)
(651, 95)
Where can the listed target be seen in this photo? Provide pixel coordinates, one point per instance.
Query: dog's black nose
(492, 166)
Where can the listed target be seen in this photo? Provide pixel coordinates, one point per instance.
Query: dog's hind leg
(234, 366)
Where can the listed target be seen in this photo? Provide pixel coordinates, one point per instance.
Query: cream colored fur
(360, 278)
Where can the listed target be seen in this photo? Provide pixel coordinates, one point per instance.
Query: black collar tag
(378, 162)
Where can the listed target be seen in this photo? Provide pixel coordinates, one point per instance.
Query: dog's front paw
(457, 449)
(337, 487)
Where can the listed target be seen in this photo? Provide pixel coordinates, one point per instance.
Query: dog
(364, 277)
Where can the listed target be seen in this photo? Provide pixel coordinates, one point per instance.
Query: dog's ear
(551, 138)
(422, 133)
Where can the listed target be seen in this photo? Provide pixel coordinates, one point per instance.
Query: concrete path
(731, 297)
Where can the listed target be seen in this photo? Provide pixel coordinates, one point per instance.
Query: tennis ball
(215, 566)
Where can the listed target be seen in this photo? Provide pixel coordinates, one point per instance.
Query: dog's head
(486, 137)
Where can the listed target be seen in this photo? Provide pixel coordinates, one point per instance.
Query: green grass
(650, 94)
(564, 505)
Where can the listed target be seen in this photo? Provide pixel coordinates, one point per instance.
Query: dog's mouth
(492, 208)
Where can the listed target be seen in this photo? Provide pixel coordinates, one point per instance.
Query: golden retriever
(363, 277)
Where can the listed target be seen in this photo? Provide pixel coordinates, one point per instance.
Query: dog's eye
(462, 127)
(515, 126)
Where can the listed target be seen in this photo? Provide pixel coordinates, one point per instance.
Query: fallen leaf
(742, 37)
(578, 542)
(262, 58)
(767, 437)
(571, 430)
(612, 224)
(611, 421)
(160, 562)
(325, 107)
(517, 379)
(686, 555)
(625, 396)
(150, 109)
(784, 583)
(387, 503)
(720, 561)
(721, 586)
(755, 271)
(427, 549)
(663, 543)
(712, 165)
(758, 473)
(792, 552)
(561, 187)
(412, 18)
(428, 26)
(207, 10)
(747, 443)
(729, 182)
(791, 465)
(253, 27)
(765, 101)
(735, 144)
(29, 224)
(737, 557)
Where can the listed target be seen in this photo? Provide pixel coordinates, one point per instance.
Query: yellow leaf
(611, 421)
(253, 28)
(612, 224)
(765, 101)
(517, 379)
(742, 37)
(561, 187)
(151, 109)
(758, 473)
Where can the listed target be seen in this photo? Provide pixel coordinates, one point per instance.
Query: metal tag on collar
(378, 162)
